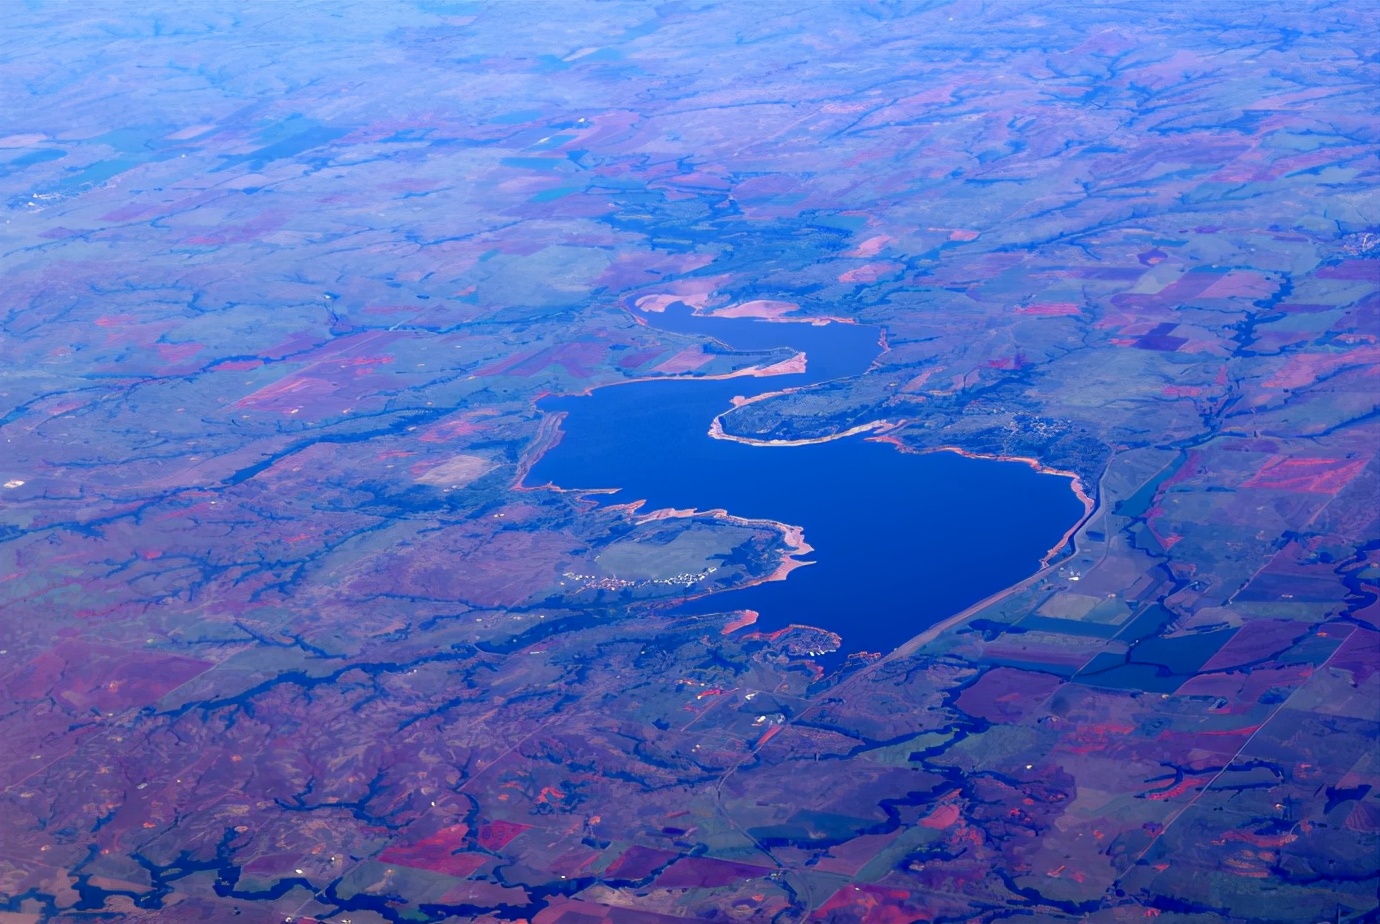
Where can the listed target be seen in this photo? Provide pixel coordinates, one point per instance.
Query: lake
(901, 540)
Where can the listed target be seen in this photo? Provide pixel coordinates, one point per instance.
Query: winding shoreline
(1075, 483)
(793, 537)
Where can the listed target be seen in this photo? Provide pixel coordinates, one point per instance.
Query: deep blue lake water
(901, 540)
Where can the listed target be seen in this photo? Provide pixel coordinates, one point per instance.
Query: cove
(900, 540)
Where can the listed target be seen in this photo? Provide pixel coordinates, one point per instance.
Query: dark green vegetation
(282, 634)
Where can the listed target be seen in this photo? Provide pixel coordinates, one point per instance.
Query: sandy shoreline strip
(549, 433)
(767, 310)
(789, 366)
(792, 536)
(716, 431)
(744, 619)
(1075, 483)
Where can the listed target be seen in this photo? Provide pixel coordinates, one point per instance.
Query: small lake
(901, 540)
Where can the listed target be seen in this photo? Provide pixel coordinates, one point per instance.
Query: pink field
(707, 872)
(870, 247)
(442, 852)
(1313, 475)
(1005, 694)
(687, 360)
(869, 272)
